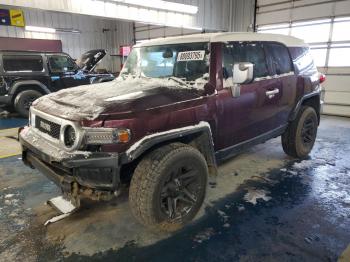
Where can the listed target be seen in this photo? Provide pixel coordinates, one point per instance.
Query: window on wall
(319, 54)
(339, 55)
(341, 29)
(329, 39)
(312, 33)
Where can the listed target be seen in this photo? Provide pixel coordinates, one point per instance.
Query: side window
(303, 61)
(23, 63)
(278, 58)
(61, 63)
(236, 52)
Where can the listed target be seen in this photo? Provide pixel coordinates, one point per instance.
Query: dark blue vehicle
(27, 75)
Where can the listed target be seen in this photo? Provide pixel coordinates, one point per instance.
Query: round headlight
(69, 136)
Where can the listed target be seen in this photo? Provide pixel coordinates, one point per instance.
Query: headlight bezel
(79, 136)
(68, 140)
(83, 134)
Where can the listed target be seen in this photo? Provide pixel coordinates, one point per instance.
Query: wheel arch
(313, 100)
(28, 85)
(199, 136)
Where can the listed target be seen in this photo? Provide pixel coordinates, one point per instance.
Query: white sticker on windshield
(191, 55)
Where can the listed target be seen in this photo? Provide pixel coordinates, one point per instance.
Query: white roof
(225, 37)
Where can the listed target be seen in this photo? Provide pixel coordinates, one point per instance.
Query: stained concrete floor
(265, 206)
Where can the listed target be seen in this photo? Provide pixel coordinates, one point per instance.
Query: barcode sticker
(191, 55)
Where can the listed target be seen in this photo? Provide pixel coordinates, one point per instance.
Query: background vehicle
(179, 106)
(25, 76)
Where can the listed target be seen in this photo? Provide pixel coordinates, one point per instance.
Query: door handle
(272, 93)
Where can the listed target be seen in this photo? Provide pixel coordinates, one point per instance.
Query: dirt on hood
(118, 96)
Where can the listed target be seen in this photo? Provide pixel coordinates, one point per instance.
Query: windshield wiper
(178, 80)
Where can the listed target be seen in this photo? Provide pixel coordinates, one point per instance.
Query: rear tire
(168, 187)
(299, 138)
(24, 100)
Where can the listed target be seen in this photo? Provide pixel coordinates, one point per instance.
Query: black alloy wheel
(180, 192)
(308, 132)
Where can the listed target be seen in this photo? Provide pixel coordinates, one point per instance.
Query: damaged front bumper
(94, 174)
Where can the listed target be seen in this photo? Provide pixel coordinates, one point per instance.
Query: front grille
(48, 127)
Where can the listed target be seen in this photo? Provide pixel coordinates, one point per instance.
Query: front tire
(24, 100)
(168, 187)
(299, 138)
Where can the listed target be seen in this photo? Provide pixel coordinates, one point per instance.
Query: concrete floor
(264, 207)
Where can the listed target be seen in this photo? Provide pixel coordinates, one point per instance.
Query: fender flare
(18, 84)
(203, 141)
(297, 108)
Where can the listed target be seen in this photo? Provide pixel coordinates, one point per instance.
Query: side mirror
(242, 73)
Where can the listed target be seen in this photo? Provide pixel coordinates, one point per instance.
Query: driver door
(251, 113)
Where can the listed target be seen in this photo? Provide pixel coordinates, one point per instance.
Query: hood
(90, 59)
(116, 97)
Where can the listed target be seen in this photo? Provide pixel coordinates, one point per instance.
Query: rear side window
(60, 63)
(23, 63)
(236, 52)
(278, 58)
(302, 59)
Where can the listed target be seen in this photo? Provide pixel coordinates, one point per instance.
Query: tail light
(322, 78)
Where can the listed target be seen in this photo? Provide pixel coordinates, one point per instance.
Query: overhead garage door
(325, 25)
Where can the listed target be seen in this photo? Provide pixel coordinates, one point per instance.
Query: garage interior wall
(100, 30)
(95, 33)
(212, 16)
(325, 25)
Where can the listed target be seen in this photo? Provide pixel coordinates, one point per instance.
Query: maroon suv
(179, 106)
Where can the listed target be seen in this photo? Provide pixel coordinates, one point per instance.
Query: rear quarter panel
(305, 69)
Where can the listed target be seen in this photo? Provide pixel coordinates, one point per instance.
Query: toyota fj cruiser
(25, 76)
(179, 106)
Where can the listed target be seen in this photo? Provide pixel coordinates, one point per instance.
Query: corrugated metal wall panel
(91, 37)
(241, 15)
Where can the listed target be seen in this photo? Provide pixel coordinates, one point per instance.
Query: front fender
(200, 137)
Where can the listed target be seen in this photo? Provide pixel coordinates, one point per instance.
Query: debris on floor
(254, 194)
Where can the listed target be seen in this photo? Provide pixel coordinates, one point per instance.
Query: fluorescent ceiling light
(193, 28)
(40, 29)
(163, 5)
(172, 25)
(68, 30)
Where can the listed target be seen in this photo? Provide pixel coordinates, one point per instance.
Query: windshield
(187, 62)
(60, 63)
